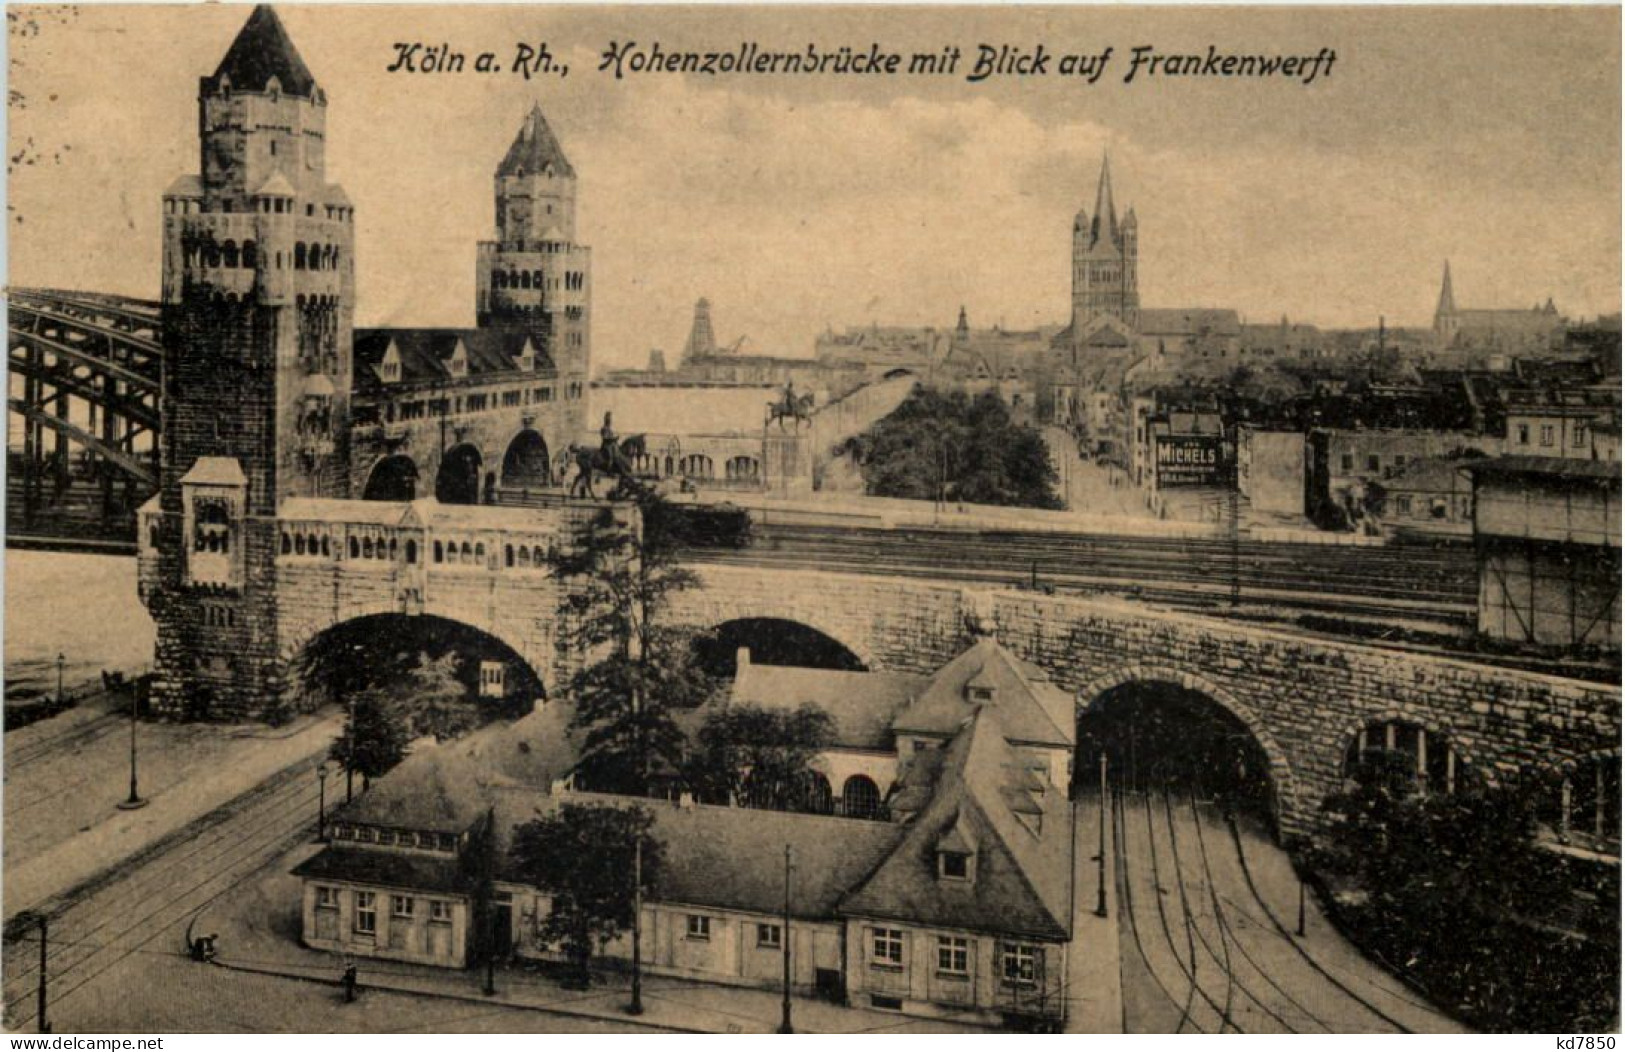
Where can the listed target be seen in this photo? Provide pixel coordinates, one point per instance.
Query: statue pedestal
(787, 460)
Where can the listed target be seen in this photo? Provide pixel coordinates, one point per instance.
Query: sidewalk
(1095, 980)
(258, 928)
(63, 829)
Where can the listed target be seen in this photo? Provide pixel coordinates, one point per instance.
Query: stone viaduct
(1303, 698)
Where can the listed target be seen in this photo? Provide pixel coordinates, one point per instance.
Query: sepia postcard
(761, 518)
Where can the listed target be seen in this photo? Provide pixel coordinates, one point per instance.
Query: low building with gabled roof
(956, 900)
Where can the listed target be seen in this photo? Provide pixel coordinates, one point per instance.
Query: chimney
(742, 658)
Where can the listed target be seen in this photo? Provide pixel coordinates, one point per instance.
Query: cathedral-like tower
(258, 294)
(1105, 261)
(702, 341)
(534, 275)
(1446, 322)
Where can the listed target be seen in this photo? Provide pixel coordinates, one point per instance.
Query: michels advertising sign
(1189, 460)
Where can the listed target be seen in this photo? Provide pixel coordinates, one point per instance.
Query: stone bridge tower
(534, 275)
(258, 295)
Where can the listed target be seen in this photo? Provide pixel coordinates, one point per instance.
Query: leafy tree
(638, 673)
(583, 858)
(760, 756)
(436, 701)
(961, 448)
(1459, 894)
(375, 736)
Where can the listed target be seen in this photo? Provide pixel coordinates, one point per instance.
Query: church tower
(1446, 322)
(1105, 260)
(535, 276)
(258, 295)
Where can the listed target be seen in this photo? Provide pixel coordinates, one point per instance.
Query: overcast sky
(1488, 136)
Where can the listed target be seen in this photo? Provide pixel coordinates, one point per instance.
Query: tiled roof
(1188, 321)
(385, 868)
(1030, 708)
(215, 471)
(426, 352)
(435, 790)
(1022, 878)
(731, 857)
(535, 150)
(862, 704)
(263, 50)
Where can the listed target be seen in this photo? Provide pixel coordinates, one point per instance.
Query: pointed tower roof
(261, 51)
(1105, 211)
(1447, 296)
(535, 149)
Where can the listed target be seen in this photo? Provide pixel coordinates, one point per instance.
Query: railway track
(1217, 957)
(1422, 587)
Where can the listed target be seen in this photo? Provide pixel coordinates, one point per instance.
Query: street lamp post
(321, 802)
(134, 800)
(1100, 900)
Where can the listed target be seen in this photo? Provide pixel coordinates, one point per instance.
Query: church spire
(1105, 211)
(1447, 296)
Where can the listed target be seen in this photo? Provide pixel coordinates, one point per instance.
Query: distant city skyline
(1488, 137)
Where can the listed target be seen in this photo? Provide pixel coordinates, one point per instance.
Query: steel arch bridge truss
(86, 368)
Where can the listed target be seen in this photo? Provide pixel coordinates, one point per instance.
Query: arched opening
(772, 641)
(860, 797)
(1159, 735)
(1579, 805)
(395, 477)
(1400, 751)
(458, 481)
(393, 653)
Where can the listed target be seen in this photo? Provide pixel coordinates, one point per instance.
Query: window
(1523, 434)
(1403, 503)
(1020, 964)
(953, 955)
(439, 911)
(401, 906)
(1373, 462)
(1348, 461)
(1579, 439)
(955, 865)
(886, 947)
(366, 913)
(769, 936)
(699, 927)
(1546, 434)
(327, 898)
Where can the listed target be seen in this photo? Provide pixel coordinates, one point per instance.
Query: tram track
(92, 928)
(1126, 896)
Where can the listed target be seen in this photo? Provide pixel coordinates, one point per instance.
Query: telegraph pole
(784, 1022)
(44, 1025)
(1235, 547)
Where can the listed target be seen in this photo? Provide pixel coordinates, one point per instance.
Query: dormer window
(527, 358)
(389, 370)
(954, 865)
(980, 695)
(458, 365)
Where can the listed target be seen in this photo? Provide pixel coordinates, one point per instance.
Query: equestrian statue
(613, 457)
(790, 407)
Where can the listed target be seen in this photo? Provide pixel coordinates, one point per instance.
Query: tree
(435, 700)
(937, 445)
(583, 858)
(759, 756)
(375, 736)
(638, 673)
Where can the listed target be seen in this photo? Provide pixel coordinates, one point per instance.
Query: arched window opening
(1399, 750)
(860, 798)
